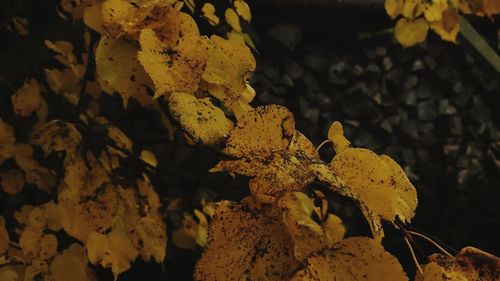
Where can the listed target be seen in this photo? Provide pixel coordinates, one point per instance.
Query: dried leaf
(11, 181)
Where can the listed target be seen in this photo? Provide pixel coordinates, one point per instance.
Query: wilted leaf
(409, 32)
(200, 118)
(355, 258)
(27, 99)
(469, 264)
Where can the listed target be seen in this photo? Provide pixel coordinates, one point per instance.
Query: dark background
(432, 107)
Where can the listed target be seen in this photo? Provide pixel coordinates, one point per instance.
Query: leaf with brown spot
(246, 242)
(352, 259)
(202, 120)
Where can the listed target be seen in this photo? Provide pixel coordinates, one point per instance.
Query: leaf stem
(430, 241)
(323, 143)
(413, 255)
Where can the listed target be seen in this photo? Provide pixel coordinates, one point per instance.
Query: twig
(413, 255)
(430, 241)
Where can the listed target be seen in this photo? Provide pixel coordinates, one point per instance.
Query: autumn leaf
(11, 181)
(202, 120)
(56, 136)
(307, 235)
(114, 250)
(118, 67)
(469, 264)
(409, 32)
(229, 63)
(448, 26)
(27, 99)
(176, 69)
(246, 241)
(71, 265)
(208, 11)
(150, 238)
(355, 258)
(377, 183)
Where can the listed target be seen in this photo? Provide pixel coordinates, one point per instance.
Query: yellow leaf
(434, 11)
(393, 8)
(410, 32)
(81, 214)
(232, 19)
(11, 181)
(306, 234)
(118, 67)
(176, 69)
(336, 136)
(334, 230)
(92, 17)
(470, 264)
(114, 250)
(228, 66)
(243, 10)
(208, 11)
(57, 136)
(262, 131)
(8, 136)
(447, 28)
(412, 8)
(71, 265)
(186, 236)
(151, 239)
(246, 242)
(148, 157)
(37, 245)
(200, 118)
(355, 258)
(378, 184)
(27, 99)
